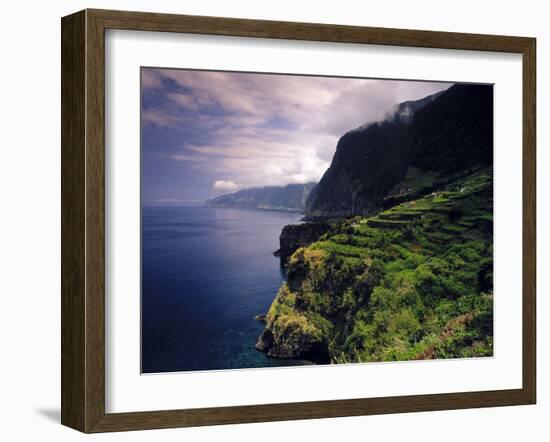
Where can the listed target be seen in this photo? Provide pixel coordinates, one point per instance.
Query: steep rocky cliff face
(291, 197)
(365, 167)
(422, 142)
(454, 132)
(294, 236)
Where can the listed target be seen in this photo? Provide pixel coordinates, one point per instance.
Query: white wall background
(30, 218)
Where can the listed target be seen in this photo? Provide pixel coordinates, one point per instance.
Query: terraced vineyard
(411, 282)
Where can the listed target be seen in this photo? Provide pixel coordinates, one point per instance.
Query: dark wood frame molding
(83, 217)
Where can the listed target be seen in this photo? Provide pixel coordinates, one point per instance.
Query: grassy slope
(413, 282)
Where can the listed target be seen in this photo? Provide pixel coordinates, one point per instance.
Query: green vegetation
(412, 282)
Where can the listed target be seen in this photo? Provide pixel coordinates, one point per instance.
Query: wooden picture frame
(83, 220)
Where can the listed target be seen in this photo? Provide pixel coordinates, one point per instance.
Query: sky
(206, 133)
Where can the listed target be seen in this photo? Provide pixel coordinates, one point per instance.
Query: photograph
(291, 220)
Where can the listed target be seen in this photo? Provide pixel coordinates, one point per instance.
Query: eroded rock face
(454, 132)
(294, 236)
(293, 334)
(367, 164)
(265, 340)
(292, 338)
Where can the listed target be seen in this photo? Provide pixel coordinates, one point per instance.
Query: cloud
(184, 100)
(192, 158)
(225, 186)
(265, 129)
(150, 79)
(158, 118)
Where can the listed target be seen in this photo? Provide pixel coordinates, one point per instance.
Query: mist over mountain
(291, 197)
(421, 144)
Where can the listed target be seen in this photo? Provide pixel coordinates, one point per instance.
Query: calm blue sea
(206, 273)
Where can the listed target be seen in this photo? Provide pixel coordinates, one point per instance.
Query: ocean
(206, 273)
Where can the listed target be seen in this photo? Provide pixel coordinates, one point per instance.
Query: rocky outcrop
(294, 236)
(291, 342)
(292, 335)
(292, 197)
(439, 135)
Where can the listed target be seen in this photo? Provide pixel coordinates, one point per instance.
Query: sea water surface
(206, 272)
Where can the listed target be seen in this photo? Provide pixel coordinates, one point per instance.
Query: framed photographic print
(269, 220)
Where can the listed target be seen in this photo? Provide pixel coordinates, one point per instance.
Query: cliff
(294, 236)
(413, 282)
(291, 197)
(423, 142)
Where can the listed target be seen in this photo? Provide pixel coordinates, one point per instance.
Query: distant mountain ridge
(291, 197)
(422, 143)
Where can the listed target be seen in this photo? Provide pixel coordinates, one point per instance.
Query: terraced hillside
(412, 282)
